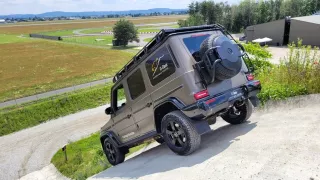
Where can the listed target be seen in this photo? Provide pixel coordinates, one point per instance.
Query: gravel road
(277, 143)
(31, 149)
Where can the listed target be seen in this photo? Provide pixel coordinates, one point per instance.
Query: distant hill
(92, 13)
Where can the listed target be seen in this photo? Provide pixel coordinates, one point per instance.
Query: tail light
(250, 77)
(201, 94)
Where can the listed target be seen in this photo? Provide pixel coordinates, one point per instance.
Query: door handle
(149, 104)
(129, 116)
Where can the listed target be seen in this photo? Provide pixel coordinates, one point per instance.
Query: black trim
(139, 139)
(111, 135)
(173, 57)
(174, 101)
(250, 89)
(168, 93)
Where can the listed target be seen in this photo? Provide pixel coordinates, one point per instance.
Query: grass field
(91, 40)
(5, 39)
(85, 158)
(29, 28)
(59, 33)
(39, 65)
(96, 30)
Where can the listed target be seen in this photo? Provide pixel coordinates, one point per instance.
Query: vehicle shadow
(162, 159)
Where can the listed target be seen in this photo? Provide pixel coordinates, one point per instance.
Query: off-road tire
(245, 113)
(192, 138)
(221, 72)
(119, 155)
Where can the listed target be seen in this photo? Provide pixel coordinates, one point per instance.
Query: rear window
(194, 42)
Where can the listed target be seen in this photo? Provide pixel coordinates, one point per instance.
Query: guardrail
(56, 38)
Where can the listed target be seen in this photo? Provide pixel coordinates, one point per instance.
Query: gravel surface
(31, 149)
(277, 143)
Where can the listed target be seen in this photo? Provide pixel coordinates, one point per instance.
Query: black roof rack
(157, 40)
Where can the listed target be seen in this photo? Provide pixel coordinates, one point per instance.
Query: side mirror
(109, 111)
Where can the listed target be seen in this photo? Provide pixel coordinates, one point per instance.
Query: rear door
(192, 43)
(142, 106)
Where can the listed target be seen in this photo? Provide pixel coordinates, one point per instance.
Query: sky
(40, 6)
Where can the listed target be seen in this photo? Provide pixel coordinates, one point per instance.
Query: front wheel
(239, 114)
(114, 155)
(179, 133)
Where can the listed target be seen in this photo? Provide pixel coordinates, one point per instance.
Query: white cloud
(40, 6)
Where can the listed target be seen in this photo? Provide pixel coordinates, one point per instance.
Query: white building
(2, 21)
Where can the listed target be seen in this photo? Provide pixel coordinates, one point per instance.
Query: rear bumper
(211, 105)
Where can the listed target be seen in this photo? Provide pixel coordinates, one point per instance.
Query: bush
(297, 74)
(259, 56)
(125, 31)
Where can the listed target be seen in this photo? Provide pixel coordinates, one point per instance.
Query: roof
(315, 19)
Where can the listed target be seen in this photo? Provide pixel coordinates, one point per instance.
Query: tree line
(237, 17)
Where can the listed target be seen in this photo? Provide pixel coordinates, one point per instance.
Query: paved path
(31, 149)
(278, 143)
(54, 93)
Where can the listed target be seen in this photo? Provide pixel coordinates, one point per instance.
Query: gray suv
(175, 87)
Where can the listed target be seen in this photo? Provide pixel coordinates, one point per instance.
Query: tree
(125, 31)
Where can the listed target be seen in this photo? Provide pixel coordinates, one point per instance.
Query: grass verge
(147, 39)
(85, 158)
(19, 117)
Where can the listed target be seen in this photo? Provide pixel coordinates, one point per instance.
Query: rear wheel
(239, 114)
(179, 133)
(114, 154)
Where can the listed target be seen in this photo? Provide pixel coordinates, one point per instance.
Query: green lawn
(91, 40)
(148, 30)
(147, 39)
(95, 30)
(59, 33)
(85, 158)
(5, 39)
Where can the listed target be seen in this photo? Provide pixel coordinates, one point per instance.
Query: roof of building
(311, 19)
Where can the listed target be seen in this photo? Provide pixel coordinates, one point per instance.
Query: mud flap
(255, 101)
(202, 126)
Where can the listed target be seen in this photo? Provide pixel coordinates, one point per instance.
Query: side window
(160, 66)
(136, 84)
(118, 98)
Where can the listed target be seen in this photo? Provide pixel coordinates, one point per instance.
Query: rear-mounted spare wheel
(224, 49)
